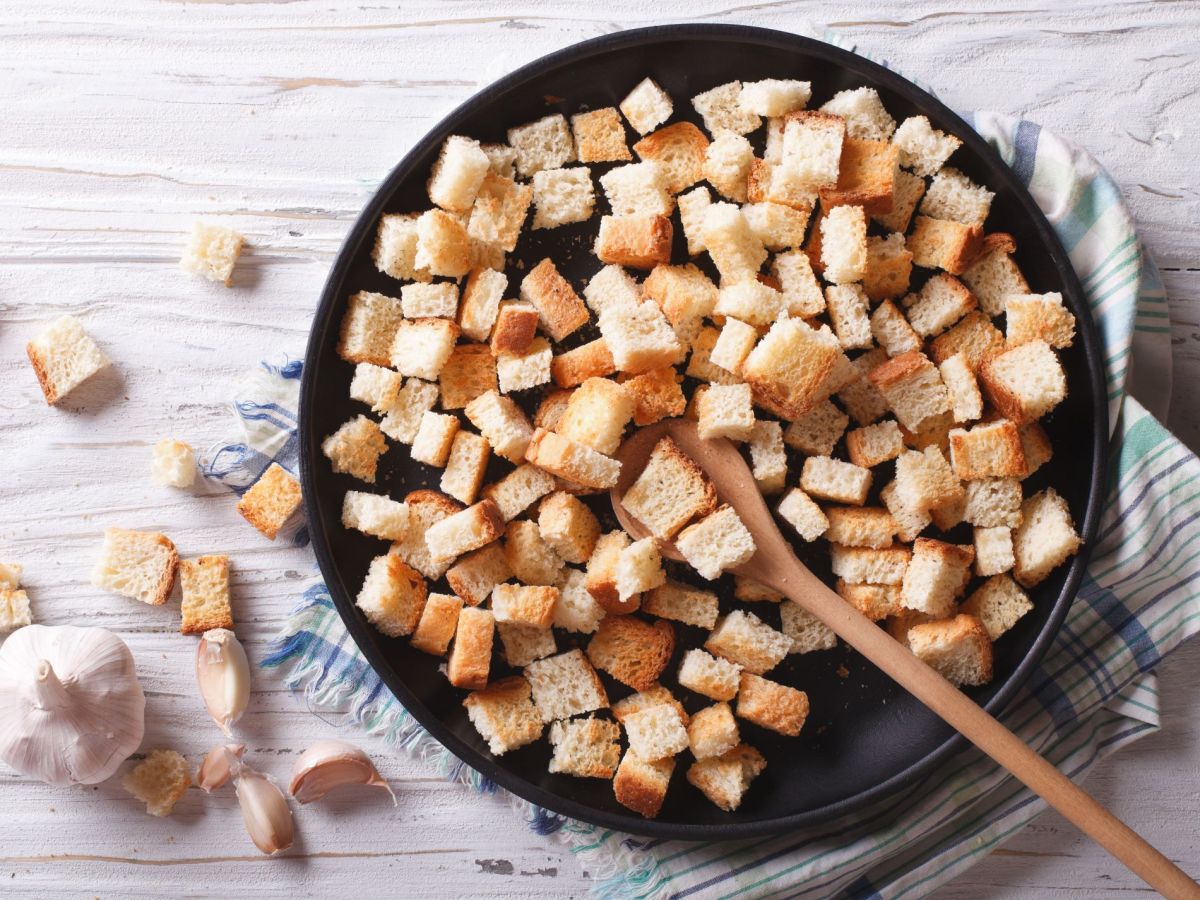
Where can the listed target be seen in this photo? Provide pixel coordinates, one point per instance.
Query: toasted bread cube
(805, 632)
(656, 732)
(993, 551)
(600, 136)
(392, 596)
(848, 307)
(519, 489)
(802, 295)
(860, 527)
(271, 501)
(550, 409)
(596, 415)
(999, 604)
(481, 302)
(422, 346)
(911, 518)
(568, 526)
(993, 503)
(542, 144)
(375, 386)
(750, 301)
(571, 460)
(503, 423)
(496, 219)
(750, 591)
(833, 479)
(159, 781)
(966, 401)
(734, 344)
(434, 438)
(875, 601)
(639, 569)
(212, 251)
(14, 609)
(504, 716)
(561, 309)
(655, 695)
(953, 196)
(716, 543)
(989, 450)
(586, 748)
(778, 183)
(602, 573)
(866, 176)
(1039, 317)
(10, 576)
(721, 110)
(1024, 383)
(725, 410)
(816, 432)
(402, 419)
(725, 779)
(457, 174)
(772, 705)
(515, 327)
(844, 244)
(395, 251)
(700, 365)
(993, 276)
(438, 622)
(936, 577)
(475, 575)
(471, 655)
(531, 605)
(812, 147)
(682, 292)
(639, 338)
(888, 269)
(727, 162)
(712, 731)
(767, 457)
(647, 106)
(1045, 539)
(531, 559)
(774, 97)
(434, 300)
(464, 531)
(443, 245)
(640, 242)
(864, 113)
(611, 286)
(925, 481)
(577, 610)
(642, 786)
(562, 197)
(714, 677)
(205, 586)
(958, 648)
(912, 387)
(522, 371)
(565, 685)
(892, 330)
(174, 463)
(874, 444)
(692, 206)
(469, 372)
(670, 491)
(63, 357)
(590, 360)
(746, 640)
(941, 302)
(632, 651)
(789, 366)
(679, 150)
(638, 189)
(862, 565)
(975, 337)
(682, 603)
(735, 249)
(944, 244)
(425, 509)
(923, 148)
(376, 515)
(802, 513)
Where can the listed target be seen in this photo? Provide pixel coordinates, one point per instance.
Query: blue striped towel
(1094, 692)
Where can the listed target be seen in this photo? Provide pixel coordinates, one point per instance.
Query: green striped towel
(1094, 692)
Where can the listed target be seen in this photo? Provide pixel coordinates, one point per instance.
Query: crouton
(943, 244)
(611, 286)
(834, 479)
(212, 251)
(475, 575)
(174, 463)
(1045, 539)
(993, 551)
(974, 336)
(457, 173)
(993, 276)
(562, 197)
(422, 346)
(402, 419)
(10, 576)
(768, 460)
(632, 651)
(712, 731)
(159, 781)
(586, 748)
(568, 526)
(892, 331)
(640, 242)
(395, 251)
(639, 569)
(874, 444)
(542, 144)
(1024, 383)
(576, 609)
(647, 106)
(746, 640)
(911, 518)
(958, 648)
(271, 501)
(925, 481)
(802, 513)
(531, 605)
(993, 503)
(656, 732)
(817, 432)
(1036, 444)
(639, 338)
(443, 245)
(14, 610)
(848, 307)
(590, 360)
(481, 302)
(205, 586)
(844, 244)
(989, 450)
(504, 716)
(600, 136)
(771, 705)
(425, 509)
(866, 176)
(936, 576)
(571, 460)
(679, 150)
(864, 113)
(726, 164)
(812, 147)
(691, 215)
(656, 395)
(907, 191)
(875, 601)
(721, 110)
(863, 565)
(522, 371)
(804, 631)
(602, 573)
(565, 685)
(434, 437)
(941, 302)
(683, 293)
(700, 365)
(999, 603)
(392, 596)
(496, 219)
(501, 421)
(1038, 317)
(855, 527)
(682, 603)
(725, 779)
(464, 531)
(714, 677)
(514, 329)
(469, 372)
(888, 268)
(596, 415)
(725, 410)
(561, 309)
(639, 189)
(642, 786)
(375, 386)
(439, 620)
(965, 399)
(860, 397)
(530, 558)
(751, 301)
(776, 184)
(63, 357)
(471, 657)
(733, 246)
(923, 148)
(774, 97)
(716, 543)
(912, 387)
(670, 491)
(954, 197)
(788, 367)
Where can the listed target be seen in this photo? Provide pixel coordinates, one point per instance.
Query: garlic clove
(223, 672)
(265, 811)
(221, 764)
(329, 764)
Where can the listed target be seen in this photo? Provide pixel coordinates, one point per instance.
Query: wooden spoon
(775, 566)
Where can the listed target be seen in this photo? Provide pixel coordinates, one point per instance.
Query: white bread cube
(522, 371)
(1024, 383)
(600, 136)
(958, 648)
(767, 703)
(936, 577)
(700, 365)
(778, 226)
(692, 206)
(369, 327)
(438, 299)
(639, 569)
(954, 197)
(875, 601)
(864, 565)
(852, 526)
(14, 610)
(425, 509)
(585, 748)
(481, 302)
(494, 225)
(375, 386)
(1045, 539)
(439, 620)
(577, 610)
(464, 531)
(471, 657)
(944, 244)
(376, 515)
(174, 464)
(562, 196)
(774, 97)
(941, 302)
(911, 519)
(811, 148)
(519, 489)
(727, 163)
(712, 676)
(638, 189)
(565, 685)
(639, 337)
(682, 603)
(568, 526)
(10, 576)
(751, 301)
(874, 444)
(656, 732)
(475, 575)
(817, 431)
(1038, 317)
(844, 244)
(647, 106)
(989, 450)
(922, 147)
(993, 551)
(596, 415)
(212, 251)
(422, 346)
(395, 251)
(889, 267)
(834, 479)
(502, 159)
(679, 149)
(457, 173)
(717, 542)
(721, 110)
(866, 118)
(670, 491)
(503, 423)
(925, 481)
(712, 731)
(504, 716)
(434, 437)
(392, 596)
(912, 387)
(802, 513)
(848, 307)
(642, 786)
(993, 276)
(892, 331)
(355, 448)
(856, 390)
(542, 144)
(403, 417)
(806, 632)
(683, 292)
(993, 503)
(773, 146)
(725, 779)
(63, 357)
(790, 366)
(611, 286)
(735, 249)
(725, 410)
(767, 457)
(744, 639)
(733, 345)
(802, 295)
(443, 245)
(136, 564)
(999, 603)
(966, 403)
(529, 605)
(571, 460)
(531, 559)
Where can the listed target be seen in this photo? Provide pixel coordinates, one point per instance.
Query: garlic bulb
(224, 675)
(265, 811)
(71, 708)
(329, 764)
(221, 764)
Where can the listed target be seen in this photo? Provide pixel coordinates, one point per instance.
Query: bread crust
(866, 176)
(679, 149)
(632, 651)
(264, 508)
(471, 657)
(771, 705)
(642, 786)
(197, 619)
(590, 360)
(515, 326)
(560, 308)
(942, 244)
(42, 372)
(639, 242)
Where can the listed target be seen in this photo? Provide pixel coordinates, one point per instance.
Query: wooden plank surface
(125, 121)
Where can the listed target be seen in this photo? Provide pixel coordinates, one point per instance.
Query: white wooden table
(122, 122)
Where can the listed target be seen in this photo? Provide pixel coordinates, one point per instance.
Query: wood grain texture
(123, 122)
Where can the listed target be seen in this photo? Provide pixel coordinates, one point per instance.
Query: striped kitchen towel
(1093, 693)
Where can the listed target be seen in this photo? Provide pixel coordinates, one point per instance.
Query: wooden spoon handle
(979, 727)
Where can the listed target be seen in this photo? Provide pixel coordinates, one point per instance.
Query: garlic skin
(223, 672)
(329, 764)
(265, 811)
(221, 764)
(71, 707)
